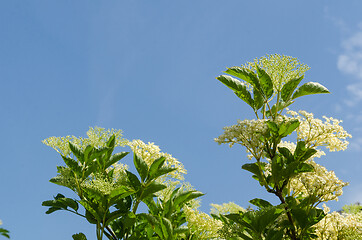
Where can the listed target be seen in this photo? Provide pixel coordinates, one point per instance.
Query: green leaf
(90, 218)
(92, 211)
(141, 166)
(251, 167)
(245, 95)
(79, 236)
(60, 203)
(273, 127)
(155, 166)
(182, 198)
(53, 209)
(73, 165)
(111, 141)
(231, 82)
(310, 88)
(289, 88)
(121, 192)
(167, 228)
(162, 171)
(276, 168)
(77, 152)
(4, 232)
(302, 153)
(265, 82)
(287, 128)
(305, 167)
(258, 100)
(260, 203)
(244, 74)
(115, 158)
(286, 153)
(124, 204)
(133, 180)
(151, 189)
(87, 153)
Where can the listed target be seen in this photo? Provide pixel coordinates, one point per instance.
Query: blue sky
(149, 68)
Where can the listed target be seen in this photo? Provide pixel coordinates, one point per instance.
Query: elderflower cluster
(247, 133)
(226, 208)
(336, 226)
(201, 224)
(321, 183)
(280, 68)
(97, 137)
(100, 185)
(315, 132)
(150, 152)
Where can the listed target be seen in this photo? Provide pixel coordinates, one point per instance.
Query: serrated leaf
(261, 203)
(302, 153)
(289, 88)
(111, 141)
(53, 209)
(231, 82)
(309, 88)
(265, 82)
(121, 192)
(286, 153)
(273, 127)
(305, 167)
(245, 95)
(77, 152)
(288, 127)
(155, 166)
(115, 158)
(141, 166)
(79, 236)
(251, 167)
(91, 211)
(258, 100)
(244, 74)
(4, 232)
(133, 179)
(163, 171)
(182, 198)
(151, 189)
(73, 165)
(86, 154)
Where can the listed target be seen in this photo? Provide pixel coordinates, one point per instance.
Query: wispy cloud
(350, 62)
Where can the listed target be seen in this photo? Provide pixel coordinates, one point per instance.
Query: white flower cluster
(280, 68)
(100, 185)
(150, 152)
(321, 183)
(246, 133)
(97, 137)
(335, 226)
(201, 224)
(226, 208)
(316, 133)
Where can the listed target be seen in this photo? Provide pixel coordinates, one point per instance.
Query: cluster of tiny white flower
(150, 152)
(202, 225)
(321, 183)
(246, 133)
(316, 133)
(336, 226)
(97, 137)
(100, 185)
(280, 68)
(226, 208)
